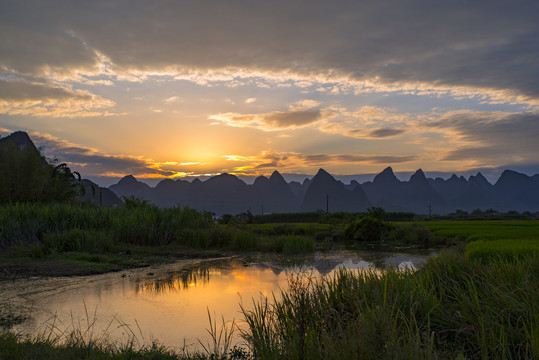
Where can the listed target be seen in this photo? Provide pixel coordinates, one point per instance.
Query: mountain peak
(418, 177)
(508, 172)
(21, 140)
(386, 176)
(260, 180)
(129, 179)
(322, 172)
(323, 175)
(276, 176)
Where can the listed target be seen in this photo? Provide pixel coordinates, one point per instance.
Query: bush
(367, 229)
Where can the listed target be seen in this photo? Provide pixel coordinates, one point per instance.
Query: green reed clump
(64, 227)
(451, 307)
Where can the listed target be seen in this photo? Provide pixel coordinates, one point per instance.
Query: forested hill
(27, 176)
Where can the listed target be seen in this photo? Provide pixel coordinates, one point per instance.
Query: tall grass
(453, 307)
(82, 340)
(36, 230)
(66, 227)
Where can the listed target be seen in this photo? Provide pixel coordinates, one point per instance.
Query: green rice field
(486, 239)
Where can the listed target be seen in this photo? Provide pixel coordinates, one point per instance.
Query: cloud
(250, 100)
(368, 122)
(489, 138)
(173, 99)
(482, 49)
(305, 104)
(18, 97)
(93, 163)
(385, 132)
(277, 120)
(321, 159)
(268, 161)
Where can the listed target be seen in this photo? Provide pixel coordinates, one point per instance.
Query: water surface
(170, 303)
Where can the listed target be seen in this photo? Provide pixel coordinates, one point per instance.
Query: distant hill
(227, 193)
(99, 196)
(326, 193)
(25, 175)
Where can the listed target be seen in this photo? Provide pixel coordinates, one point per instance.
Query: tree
(27, 176)
(367, 229)
(376, 212)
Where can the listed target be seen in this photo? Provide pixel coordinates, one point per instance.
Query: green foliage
(37, 231)
(15, 347)
(454, 307)
(64, 227)
(488, 239)
(507, 249)
(133, 202)
(367, 229)
(26, 176)
(376, 212)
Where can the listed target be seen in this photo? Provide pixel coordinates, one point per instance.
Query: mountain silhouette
(325, 192)
(273, 194)
(386, 191)
(421, 196)
(226, 193)
(21, 140)
(129, 186)
(515, 191)
(99, 196)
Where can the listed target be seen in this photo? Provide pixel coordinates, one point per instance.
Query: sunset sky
(185, 88)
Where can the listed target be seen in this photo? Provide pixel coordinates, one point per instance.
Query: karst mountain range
(227, 194)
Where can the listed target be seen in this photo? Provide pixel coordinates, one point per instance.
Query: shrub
(368, 229)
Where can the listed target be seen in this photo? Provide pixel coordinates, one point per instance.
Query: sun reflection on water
(171, 303)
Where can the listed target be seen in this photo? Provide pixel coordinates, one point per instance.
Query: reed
(65, 227)
(453, 307)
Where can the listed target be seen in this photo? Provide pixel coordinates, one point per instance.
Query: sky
(177, 88)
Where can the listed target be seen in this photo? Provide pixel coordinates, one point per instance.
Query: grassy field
(480, 304)
(453, 308)
(488, 239)
(63, 239)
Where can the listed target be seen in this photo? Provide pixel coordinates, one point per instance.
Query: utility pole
(430, 211)
(327, 203)
(262, 209)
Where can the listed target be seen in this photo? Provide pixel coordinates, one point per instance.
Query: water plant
(453, 307)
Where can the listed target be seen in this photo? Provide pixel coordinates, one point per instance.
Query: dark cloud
(270, 121)
(292, 118)
(90, 162)
(24, 97)
(485, 44)
(491, 138)
(385, 132)
(319, 159)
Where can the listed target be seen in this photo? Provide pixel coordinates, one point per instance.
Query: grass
(509, 249)
(82, 341)
(491, 239)
(484, 305)
(454, 307)
(486, 230)
(63, 239)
